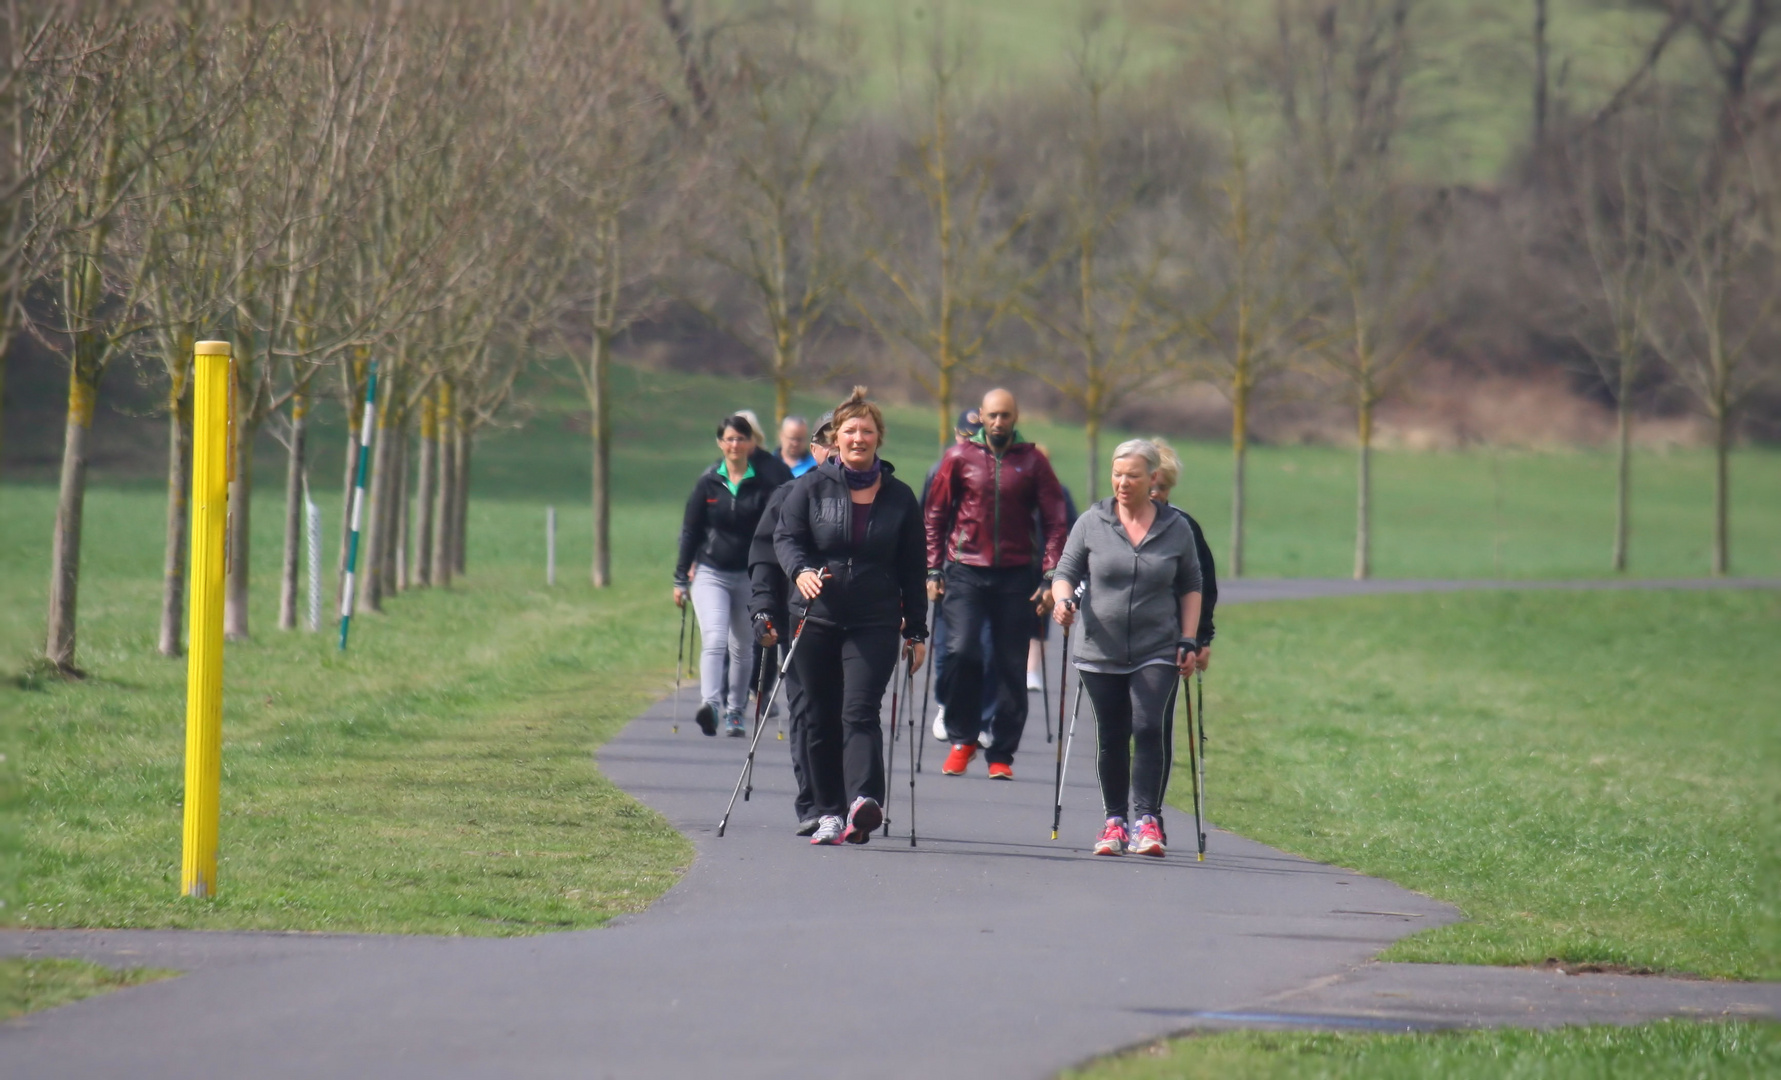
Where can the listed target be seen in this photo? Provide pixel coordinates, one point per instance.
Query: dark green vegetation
(1671, 1050)
(390, 789)
(27, 985)
(1588, 776)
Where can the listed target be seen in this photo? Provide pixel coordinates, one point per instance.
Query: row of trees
(452, 193)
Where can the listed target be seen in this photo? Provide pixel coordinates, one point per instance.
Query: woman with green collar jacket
(721, 515)
(851, 540)
(1142, 571)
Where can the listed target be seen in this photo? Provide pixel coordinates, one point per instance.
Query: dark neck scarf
(864, 478)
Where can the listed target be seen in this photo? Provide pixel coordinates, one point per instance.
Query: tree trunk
(460, 540)
(399, 550)
(1623, 482)
(241, 491)
(943, 394)
(444, 516)
(1093, 429)
(64, 577)
(601, 401)
(1363, 524)
(373, 531)
(1722, 495)
(1239, 478)
(173, 563)
(293, 514)
(424, 488)
(1541, 81)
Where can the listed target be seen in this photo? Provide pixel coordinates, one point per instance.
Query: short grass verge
(1588, 776)
(1672, 1050)
(436, 778)
(31, 984)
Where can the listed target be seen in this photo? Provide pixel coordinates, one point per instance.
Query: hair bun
(858, 396)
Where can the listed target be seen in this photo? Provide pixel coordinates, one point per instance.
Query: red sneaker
(1149, 840)
(1113, 838)
(961, 756)
(1000, 770)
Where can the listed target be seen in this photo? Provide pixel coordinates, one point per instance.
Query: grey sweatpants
(720, 600)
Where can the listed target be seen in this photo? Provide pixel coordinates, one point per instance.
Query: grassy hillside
(1471, 105)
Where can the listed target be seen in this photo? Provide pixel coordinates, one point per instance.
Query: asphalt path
(986, 950)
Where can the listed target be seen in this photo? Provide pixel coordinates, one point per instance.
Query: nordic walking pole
(914, 737)
(1200, 722)
(1193, 765)
(679, 662)
(1068, 741)
(921, 732)
(760, 691)
(1057, 810)
(890, 747)
(367, 432)
(1045, 682)
(748, 765)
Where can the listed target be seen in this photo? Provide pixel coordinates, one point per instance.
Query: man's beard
(1000, 442)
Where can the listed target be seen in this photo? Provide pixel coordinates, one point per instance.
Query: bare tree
(946, 276)
(1371, 222)
(1092, 295)
(1612, 222)
(768, 229)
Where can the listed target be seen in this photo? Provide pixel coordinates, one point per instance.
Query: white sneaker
(828, 830)
(1035, 683)
(940, 723)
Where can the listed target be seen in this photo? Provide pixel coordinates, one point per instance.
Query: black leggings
(1135, 719)
(843, 673)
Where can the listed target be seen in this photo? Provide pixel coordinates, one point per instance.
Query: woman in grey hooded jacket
(1139, 615)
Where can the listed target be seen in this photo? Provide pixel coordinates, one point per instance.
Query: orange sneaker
(1001, 770)
(961, 756)
(1113, 838)
(1149, 838)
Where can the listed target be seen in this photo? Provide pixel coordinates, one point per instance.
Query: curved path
(987, 951)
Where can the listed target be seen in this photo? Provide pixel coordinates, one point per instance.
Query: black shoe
(707, 719)
(808, 826)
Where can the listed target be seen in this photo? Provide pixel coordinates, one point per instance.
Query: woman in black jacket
(851, 540)
(1168, 474)
(721, 515)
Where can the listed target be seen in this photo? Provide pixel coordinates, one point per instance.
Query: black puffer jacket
(1208, 579)
(880, 583)
(766, 581)
(718, 525)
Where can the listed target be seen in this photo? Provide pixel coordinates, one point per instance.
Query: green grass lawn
(390, 789)
(1587, 776)
(436, 778)
(1673, 1050)
(27, 985)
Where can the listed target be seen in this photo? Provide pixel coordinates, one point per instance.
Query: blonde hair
(857, 406)
(753, 422)
(1168, 464)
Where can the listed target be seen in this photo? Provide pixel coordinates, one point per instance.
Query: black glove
(1185, 648)
(763, 625)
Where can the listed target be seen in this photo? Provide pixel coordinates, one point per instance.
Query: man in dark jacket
(983, 558)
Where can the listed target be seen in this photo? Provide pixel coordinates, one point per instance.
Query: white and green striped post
(367, 429)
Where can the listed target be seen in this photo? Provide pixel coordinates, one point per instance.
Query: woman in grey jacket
(1139, 616)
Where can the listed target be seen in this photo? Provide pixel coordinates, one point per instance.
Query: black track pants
(1000, 598)
(1135, 721)
(843, 674)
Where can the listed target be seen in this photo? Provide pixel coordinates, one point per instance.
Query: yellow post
(212, 463)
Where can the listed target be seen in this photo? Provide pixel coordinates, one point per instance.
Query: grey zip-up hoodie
(1132, 613)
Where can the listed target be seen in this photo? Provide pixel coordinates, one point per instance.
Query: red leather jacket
(980, 507)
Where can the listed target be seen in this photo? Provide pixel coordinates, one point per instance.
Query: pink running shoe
(862, 818)
(1113, 838)
(1150, 838)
